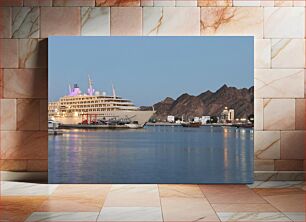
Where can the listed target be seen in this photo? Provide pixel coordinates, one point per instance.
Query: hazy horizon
(157, 67)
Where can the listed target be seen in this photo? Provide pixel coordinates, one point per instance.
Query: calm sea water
(155, 154)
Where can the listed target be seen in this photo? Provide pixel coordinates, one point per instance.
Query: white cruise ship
(75, 108)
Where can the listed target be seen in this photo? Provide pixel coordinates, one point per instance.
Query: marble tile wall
(277, 25)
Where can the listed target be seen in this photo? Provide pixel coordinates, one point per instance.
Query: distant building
(224, 115)
(196, 119)
(231, 115)
(205, 119)
(227, 115)
(171, 119)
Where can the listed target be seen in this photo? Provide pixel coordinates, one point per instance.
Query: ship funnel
(75, 91)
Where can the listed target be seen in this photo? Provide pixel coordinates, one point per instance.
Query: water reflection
(152, 155)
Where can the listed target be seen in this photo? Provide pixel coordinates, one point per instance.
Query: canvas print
(151, 109)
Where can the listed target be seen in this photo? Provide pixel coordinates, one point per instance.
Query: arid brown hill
(207, 103)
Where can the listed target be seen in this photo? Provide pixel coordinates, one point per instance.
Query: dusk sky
(148, 69)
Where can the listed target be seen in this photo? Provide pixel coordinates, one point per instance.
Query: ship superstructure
(71, 108)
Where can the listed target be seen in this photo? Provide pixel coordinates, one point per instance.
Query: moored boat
(93, 108)
(191, 124)
(133, 126)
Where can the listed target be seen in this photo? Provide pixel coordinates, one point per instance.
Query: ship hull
(137, 116)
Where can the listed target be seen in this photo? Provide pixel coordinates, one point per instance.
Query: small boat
(53, 128)
(133, 126)
(53, 124)
(191, 124)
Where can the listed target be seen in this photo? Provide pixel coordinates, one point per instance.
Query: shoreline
(214, 124)
(166, 124)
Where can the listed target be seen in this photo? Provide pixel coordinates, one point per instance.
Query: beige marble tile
(18, 208)
(279, 191)
(95, 21)
(146, 2)
(73, 2)
(28, 114)
(63, 216)
(296, 216)
(247, 3)
(33, 53)
(5, 22)
(232, 21)
(289, 165)
(300, 114)
(8, 114)
(283, 3)
(13, 165)
(277, 184)
(299, 3)
(25, 22)
(288, 53)
(37, 165)
(273, 83)
(130, 214)
(8, 53)
(220, 3)
(25, 83)
(123, 3)
(180, 191)
(51, 17)
(263, 207)
(186, 3)
(267, 145)
(43, 114)
(90, 191)
(262, 53)
(23, 144)
(253, 216)
(171, 21)
(279, 114)
(37, 2)
(5, 3)
(304, 83)
(126, 21)
(71, 204)
(278, 22)
(1, 83)
(230, 194)
(258, 111)
(292, 144)
(187, 209)
(267, 3)
(163, 3)
(133, 196)
(26, 189)
(263, 165)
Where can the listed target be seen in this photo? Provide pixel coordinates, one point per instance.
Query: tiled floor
(261, 201)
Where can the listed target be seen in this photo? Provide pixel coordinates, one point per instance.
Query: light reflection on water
(159, 154)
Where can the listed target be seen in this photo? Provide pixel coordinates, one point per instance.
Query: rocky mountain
(207, 103)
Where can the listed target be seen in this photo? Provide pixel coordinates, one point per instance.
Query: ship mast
(70, 91)
(90, 87)
(114, 92)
